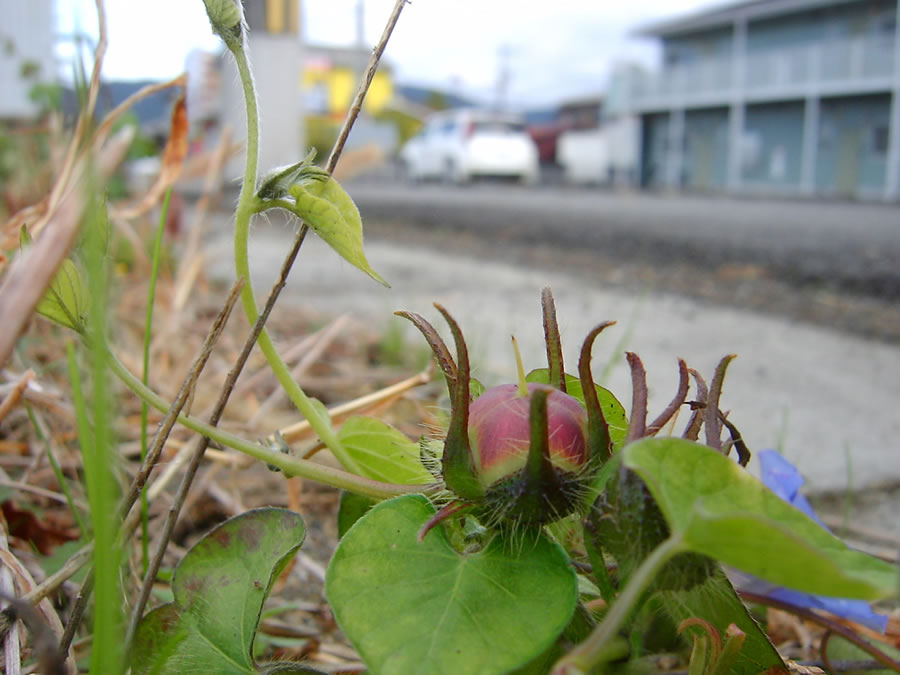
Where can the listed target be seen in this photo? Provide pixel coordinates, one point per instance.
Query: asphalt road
(850, 247)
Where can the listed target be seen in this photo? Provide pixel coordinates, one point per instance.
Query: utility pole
(504, 76)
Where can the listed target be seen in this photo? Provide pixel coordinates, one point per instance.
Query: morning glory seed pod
(500, 431)
(531, 453)
(519, 455)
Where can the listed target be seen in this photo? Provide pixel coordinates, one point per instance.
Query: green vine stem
(291, 466)
(600, 644)
(247, 205)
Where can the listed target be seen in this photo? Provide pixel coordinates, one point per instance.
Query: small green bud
(277, 182)
(226, 19)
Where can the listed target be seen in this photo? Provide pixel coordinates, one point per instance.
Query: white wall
(597, 155)
(26, 34)
(276, 63)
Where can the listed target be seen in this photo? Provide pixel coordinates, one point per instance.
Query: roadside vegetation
(190, 488)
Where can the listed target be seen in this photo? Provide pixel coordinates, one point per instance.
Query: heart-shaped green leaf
(383, 452)
(328, 210)
(351, 508)
(613, 412)
(219, 590)
(722, 511)
(411, 607)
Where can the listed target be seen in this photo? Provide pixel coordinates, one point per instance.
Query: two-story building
(794, 97)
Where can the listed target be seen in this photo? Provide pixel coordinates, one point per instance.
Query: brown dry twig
(829, 624)
(33, 270)
(13, 397)
(228, 387)
(172, 160)
(162, 434)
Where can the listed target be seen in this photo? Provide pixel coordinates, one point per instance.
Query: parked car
(606, 155)
(460, 145)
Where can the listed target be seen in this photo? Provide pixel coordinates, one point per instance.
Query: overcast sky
(456, 45)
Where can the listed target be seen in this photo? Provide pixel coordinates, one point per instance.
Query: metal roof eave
(723, 15)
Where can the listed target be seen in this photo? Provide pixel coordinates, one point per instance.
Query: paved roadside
(853, 247)
(828, 398)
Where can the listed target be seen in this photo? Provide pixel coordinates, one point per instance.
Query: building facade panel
(706, 148)
(811, 89)
(654, 149)
(853, 140)
(772, 146)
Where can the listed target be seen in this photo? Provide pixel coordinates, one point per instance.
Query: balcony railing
(797, 70)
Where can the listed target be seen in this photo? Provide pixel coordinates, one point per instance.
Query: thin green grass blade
(57, 471)
(99, 461)
(145, 375)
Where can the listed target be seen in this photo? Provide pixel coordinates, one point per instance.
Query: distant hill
(541, 116)
(429, 97)
(153, 112)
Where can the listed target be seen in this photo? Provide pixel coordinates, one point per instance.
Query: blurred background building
(276, 49)
(27, 38)
(776, 96)
(784, 97)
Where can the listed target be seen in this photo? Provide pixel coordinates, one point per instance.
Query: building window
(887, 25)
(751, 150)
(827, 134)
(880, 135)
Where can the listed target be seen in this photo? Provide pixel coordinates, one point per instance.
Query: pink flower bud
(518, 455)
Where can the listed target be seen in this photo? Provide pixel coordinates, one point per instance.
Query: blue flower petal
(782, 477)
(855, 610)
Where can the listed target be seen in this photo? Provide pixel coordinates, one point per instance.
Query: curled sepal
(698, 405)
(599, 443)
(713, 421)
(676, 402)
(540, 481)
(324, 205)
(438, 347)
(551, 339)
(458, 462)
(637, 425)
(450, 509)
(737, 441)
